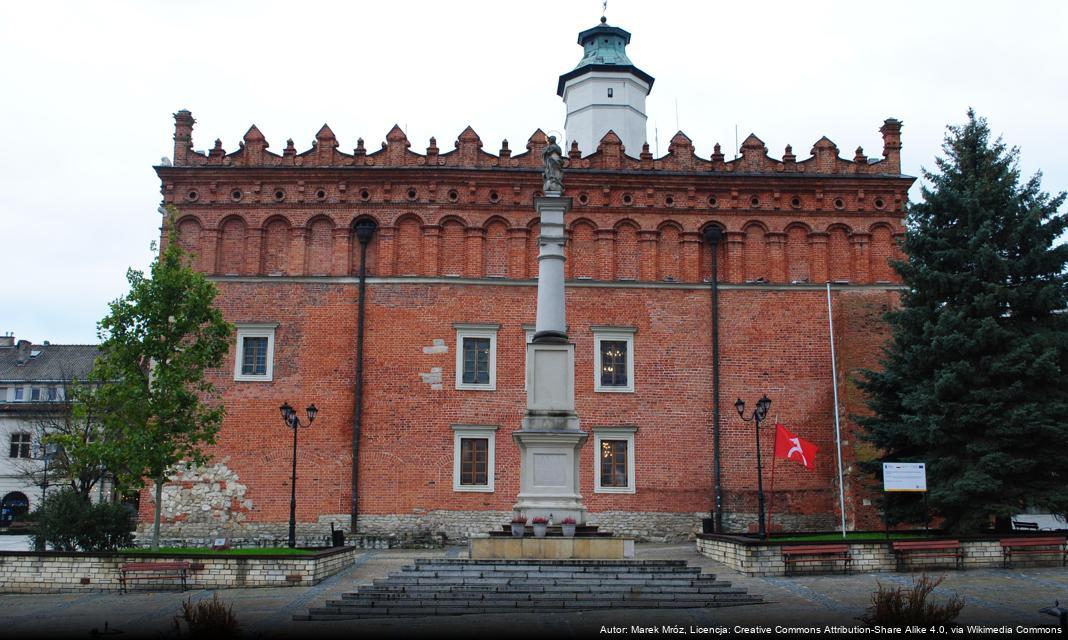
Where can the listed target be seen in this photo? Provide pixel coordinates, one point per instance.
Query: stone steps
(453, 586)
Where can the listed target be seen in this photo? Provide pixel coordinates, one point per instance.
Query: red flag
(789, 447)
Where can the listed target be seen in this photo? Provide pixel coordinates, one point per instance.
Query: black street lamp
(293, 422)
(46, 452)
(757, 416)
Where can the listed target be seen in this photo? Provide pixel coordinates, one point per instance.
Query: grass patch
(861, 536)
(201, 551)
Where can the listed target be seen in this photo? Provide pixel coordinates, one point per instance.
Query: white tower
(605, 92)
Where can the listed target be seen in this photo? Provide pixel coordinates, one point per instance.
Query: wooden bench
(1051, 545)
(903, 550)
(817, 553)
(152, 571)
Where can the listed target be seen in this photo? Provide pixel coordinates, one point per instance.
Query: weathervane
(604, 9)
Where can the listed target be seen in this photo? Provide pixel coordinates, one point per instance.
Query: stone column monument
(550, 438)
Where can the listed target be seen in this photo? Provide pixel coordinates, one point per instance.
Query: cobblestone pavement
(992, 596)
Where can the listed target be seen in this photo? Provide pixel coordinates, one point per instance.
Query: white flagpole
(837, 427)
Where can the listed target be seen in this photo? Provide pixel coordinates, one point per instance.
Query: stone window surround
(461, 431)
(254, 330)
(614, 433)
(625, 334)
(470, 330)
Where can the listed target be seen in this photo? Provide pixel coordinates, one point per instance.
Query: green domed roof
(604, 45)
(604, 48)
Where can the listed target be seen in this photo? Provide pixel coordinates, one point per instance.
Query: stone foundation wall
(650, 526)
(427, 530)
(756, 559)
(53, 572)
(741, 522)
(452, 526)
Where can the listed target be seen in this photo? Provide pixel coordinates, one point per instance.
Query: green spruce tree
(975, 378)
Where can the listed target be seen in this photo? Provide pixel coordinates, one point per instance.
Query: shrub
(207, 619)
(68, 522)
(909, 605)
(105, 527)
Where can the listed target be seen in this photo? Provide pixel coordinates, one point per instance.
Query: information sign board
(904, 476)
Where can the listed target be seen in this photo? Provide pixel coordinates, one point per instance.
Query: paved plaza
(993, 597)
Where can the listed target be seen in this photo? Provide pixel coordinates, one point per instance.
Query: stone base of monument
(555, 531)
(604, 547)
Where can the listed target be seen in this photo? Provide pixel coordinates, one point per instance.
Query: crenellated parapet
(468, 152)
(465, 212)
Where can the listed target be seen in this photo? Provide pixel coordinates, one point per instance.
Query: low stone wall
(57, 571)
(754, 558)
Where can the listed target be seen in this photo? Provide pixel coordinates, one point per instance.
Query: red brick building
(452, 263)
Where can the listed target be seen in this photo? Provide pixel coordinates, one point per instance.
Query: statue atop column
(553, 175)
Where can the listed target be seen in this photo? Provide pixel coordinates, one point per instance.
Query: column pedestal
(550, 438)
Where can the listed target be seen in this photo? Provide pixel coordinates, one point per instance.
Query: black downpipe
(713, 235)
(365, 229)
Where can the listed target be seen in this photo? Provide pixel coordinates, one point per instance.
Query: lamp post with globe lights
(757, 416)
(292, 420)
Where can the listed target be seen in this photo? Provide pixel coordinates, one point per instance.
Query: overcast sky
(89, 89)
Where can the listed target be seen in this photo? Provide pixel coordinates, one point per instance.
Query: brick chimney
(24, 352)
(183, 137)
(891, 131)
(7, 341)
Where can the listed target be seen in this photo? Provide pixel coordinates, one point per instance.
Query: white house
(33, 383)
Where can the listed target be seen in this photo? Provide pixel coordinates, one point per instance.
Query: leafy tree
(157, 341)
(70, 430)
(975, 378)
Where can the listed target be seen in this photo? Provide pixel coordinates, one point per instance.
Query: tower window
(609, 92)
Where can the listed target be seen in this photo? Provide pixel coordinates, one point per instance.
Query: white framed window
(254, 361)
(613, 460)
(473, 457)
(613, 359)
(19, 391)
(476, 356)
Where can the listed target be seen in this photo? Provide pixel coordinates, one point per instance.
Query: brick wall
(406, 451)
(602, 246)
(457, 243)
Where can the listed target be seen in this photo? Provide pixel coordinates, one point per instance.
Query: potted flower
(568, 527)
(540, 526)
(519, 523)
